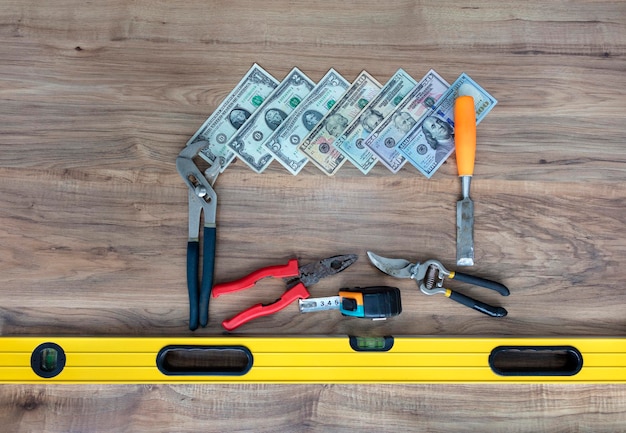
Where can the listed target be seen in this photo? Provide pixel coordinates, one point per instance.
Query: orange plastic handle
(465, 134)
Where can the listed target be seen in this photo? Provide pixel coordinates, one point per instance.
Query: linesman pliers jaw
(297, 278)
(202, 202)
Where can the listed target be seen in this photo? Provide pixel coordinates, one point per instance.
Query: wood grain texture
(98, 98)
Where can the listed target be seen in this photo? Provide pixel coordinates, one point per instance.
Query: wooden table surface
(98, 98)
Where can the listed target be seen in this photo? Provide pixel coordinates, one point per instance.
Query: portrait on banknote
(310, 118)
(274, 117)
(439, 135)
(403, 121)
(371, 119)
(238, 116)
(335, 124)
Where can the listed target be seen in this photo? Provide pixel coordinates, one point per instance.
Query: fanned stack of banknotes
(296, 121)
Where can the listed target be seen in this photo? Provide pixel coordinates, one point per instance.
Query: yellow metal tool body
(311, 360)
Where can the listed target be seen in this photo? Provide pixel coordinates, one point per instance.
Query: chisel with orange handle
(465, 145)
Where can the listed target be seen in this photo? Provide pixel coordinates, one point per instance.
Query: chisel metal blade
(465, 232)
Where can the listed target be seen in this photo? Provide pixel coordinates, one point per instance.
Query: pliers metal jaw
(430, 277)
(202, 200)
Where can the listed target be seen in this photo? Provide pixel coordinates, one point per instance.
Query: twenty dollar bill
(350, 143)
(384, 139)
(318, 144)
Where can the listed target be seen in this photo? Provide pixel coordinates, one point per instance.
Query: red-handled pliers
(297, 278)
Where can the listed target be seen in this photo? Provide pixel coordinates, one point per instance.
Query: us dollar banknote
(318, 144)
(350, 143)
(384, 139)
(231, 114)
(284, 142)
(247, 142)
(431, 142)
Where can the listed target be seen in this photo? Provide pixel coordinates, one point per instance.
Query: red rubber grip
(291, 269)
(259, 310)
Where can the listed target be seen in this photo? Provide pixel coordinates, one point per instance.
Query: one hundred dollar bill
(248, 141)
(284, 142)
(431, 142)
(318, 144)
(384, 139)
(350, 143)
(231, 114)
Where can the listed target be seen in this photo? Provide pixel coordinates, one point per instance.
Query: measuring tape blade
(311, 360)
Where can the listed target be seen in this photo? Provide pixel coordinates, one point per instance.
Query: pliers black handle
(200, 292)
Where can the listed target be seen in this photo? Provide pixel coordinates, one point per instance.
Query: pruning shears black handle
(482, 282)
(430, 277)
(487, 309)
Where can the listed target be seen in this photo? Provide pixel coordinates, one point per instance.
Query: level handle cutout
(190, 360)
(536, 360)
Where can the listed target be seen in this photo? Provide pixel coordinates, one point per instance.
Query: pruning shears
(430, 276)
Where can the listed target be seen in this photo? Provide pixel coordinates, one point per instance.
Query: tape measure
(311, 360)
(376, 303)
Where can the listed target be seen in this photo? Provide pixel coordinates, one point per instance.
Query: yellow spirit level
(311, 360)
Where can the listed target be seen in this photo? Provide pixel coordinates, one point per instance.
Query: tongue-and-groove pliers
(202, 199)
